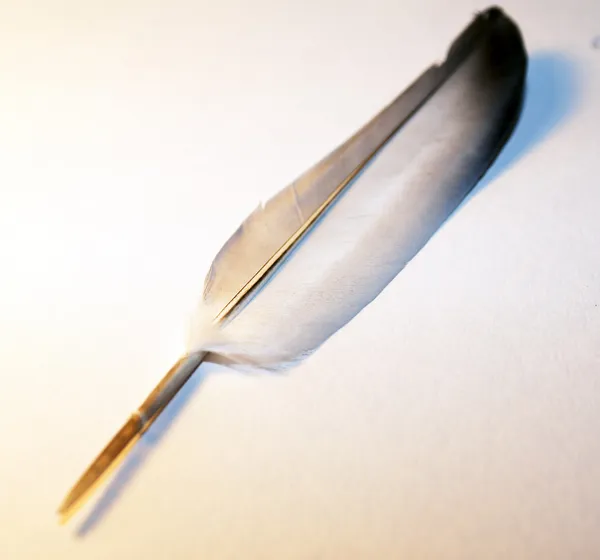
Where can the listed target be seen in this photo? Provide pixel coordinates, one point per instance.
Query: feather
(306, 262)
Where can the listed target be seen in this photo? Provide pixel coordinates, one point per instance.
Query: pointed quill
(303, 264)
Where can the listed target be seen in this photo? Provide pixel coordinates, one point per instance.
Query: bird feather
(306, 262)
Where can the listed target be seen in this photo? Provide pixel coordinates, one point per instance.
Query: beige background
(457, 417)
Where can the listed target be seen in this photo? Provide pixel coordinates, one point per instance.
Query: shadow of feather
(551, 95)
(140, 453)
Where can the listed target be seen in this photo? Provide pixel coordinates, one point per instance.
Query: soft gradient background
(457, 417)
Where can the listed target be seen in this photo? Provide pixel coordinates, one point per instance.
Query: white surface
(455, 417)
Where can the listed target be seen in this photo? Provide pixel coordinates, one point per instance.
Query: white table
(457, 417)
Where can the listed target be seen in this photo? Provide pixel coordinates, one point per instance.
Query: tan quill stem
(128, 435)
